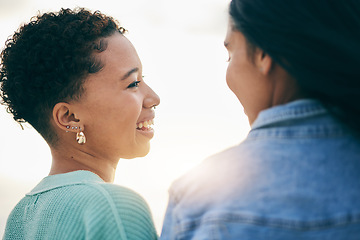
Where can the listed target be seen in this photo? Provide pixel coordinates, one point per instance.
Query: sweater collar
(65, 179)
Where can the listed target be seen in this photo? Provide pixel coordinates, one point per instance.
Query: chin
(141, 152)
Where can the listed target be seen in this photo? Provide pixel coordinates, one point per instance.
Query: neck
(71, 159)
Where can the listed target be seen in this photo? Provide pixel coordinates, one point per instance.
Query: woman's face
(115, 103)
(244, 76)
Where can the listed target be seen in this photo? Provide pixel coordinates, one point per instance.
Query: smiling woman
(77, 79)
(115, 100)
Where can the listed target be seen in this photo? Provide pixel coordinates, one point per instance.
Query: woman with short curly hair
(77, 80)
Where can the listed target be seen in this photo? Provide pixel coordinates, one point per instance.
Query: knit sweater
(80, 205)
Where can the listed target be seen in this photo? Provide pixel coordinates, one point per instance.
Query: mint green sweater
(80, 205)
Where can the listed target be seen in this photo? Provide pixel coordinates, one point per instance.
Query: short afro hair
(47, 60)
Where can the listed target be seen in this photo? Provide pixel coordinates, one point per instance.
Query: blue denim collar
(65, 179)
(298, 109)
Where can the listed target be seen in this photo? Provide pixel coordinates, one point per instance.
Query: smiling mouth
(145, 125)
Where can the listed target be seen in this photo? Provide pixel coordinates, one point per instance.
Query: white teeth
(145, 124)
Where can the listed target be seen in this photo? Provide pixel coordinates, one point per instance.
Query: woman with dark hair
(294, 66)
(77, 80)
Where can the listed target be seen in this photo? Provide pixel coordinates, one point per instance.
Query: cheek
(114, 114)
(240, 79)
(240, 74)
(235, 78)
(230, 77)
(127, 111)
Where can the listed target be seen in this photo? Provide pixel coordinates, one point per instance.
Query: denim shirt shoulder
(297, 172)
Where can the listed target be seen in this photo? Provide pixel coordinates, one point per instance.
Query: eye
(134, 84)
(228, 59)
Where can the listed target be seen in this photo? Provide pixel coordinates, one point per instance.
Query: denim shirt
(296, 176)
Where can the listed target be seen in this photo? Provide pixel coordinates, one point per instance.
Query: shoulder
(130, 209)
(103, 192)
(261, 175)
(120, 205)
(216, 171)
(123, 197)
(116, 197)
(238, 175)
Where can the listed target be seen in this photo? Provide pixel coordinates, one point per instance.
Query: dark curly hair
(47, 60)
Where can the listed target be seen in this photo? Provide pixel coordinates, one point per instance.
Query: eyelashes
(134, 84)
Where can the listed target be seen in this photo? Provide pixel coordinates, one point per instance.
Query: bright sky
(180, 44)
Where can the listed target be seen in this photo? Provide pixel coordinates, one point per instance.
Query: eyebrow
(226, 44)
(129, 73)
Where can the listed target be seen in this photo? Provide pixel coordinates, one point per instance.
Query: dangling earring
(80, 137)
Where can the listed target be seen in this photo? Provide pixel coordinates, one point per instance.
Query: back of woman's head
(316, 42)
(46, 61)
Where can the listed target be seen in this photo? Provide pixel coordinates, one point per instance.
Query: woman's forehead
(120, 52)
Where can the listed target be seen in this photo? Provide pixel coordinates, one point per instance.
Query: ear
(263, 62)
(65, 118)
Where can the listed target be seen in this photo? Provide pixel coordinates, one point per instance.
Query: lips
(145, 125)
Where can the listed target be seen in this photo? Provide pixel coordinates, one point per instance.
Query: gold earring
(80, 137)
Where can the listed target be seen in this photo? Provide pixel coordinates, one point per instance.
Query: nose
(151, 98)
